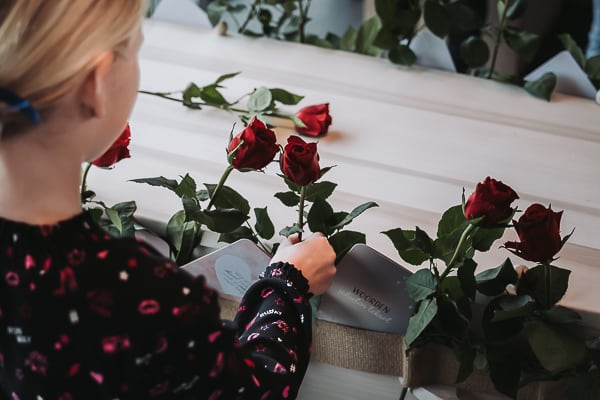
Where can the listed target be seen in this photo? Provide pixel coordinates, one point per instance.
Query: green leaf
(243, 232)
(450, 229)
(421, 285)
(212, 96)
(190, 92)
(560, 315)
(182, 237)
(385, 39)
(402, 55)
(215, 12)
(343, 241)
(319, 190)
(436, 18)
(463, 17)
(223, 220)
(125, 211)
(187, 187)
(492, 282)
(572, 47)
(355, 213)
(225, 77)
(466, 357)
(348, 39)
(484, 238)
(416, 325)
(511, 307)
(290, 199)
(317, 41)
(264, 226)
(501, 8)
(453, 288)
(260, 100)
(192, 208)
(87, 196)
(113, 215)
(160, 181)
(333, 39)
(229, 198)
(504, 372)
(366, 35)
(453, 220)
(546, 292)
(466, 275)
(285, 97)
(499, 331)
(290, 230)
(542, 87)
(516, 9)
(96, 214)
(555, 350)
(319, 217)
(202, 195)
(474, 52)
(451, 319)
(525, 44)
(404, 242)
(386, 10)
(592, 68)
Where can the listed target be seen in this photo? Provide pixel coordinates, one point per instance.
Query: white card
(570, 78)
(432, 51)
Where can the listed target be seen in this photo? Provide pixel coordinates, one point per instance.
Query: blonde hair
(47, 44)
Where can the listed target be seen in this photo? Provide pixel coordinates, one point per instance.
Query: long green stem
(301, 212)
(167, 95)
(251, 13)
(215, 193)
(457, 250)
(258, 241)
(501, 23)
(547, 282)
(303, 19)
(84, 180)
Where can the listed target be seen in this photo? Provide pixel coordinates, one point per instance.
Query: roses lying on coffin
(119, 221)
(311, 120)
(529, 318)
(228, 213)
(316, 120)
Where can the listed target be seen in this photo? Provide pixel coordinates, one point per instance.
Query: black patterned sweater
(87, 316)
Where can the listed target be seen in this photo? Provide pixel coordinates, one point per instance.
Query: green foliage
(261, 102)
(521, 335)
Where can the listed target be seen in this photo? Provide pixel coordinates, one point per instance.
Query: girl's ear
(93, 88)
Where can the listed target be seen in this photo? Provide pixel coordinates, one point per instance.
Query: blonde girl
(87, 316)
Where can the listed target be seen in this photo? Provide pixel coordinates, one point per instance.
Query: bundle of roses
(523, 334)
(220, 208)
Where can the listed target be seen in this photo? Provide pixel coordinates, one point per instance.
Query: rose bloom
(539, 233)
(300, 161)
(117, 151)
(258, 148)
(316, 118)
(491, 200)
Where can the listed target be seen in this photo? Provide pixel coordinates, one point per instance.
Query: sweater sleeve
(274, 319)
(179, 346)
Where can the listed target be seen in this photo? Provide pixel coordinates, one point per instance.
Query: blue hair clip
(17, 103)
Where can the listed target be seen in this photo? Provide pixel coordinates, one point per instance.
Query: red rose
(316, 118)
(118, 151)
(539, 232)
(300, 161)
(258, 148)
(491, 200)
